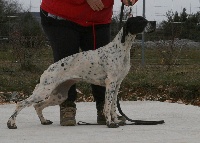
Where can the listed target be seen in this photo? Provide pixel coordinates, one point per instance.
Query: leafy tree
(8, 13)
(183, 15)
(176, 17)
(182, 26)
(24, 32)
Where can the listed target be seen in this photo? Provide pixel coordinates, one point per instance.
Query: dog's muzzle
(151, 27)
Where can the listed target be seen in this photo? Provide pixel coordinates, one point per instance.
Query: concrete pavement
(182, 125)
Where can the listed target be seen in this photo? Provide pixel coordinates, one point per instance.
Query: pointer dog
(106, 66)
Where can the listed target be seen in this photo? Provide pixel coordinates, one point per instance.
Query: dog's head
(134, 25)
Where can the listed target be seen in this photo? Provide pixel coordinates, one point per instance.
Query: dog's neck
(126, 46)
(128, 39)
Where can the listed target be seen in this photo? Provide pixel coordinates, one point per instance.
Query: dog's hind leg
(38, 108)
(53, 100)
(20, 105)
(58, 95)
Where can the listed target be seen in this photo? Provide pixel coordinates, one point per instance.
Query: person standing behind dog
(73, 24)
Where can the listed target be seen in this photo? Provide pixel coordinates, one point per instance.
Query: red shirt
(79, 11)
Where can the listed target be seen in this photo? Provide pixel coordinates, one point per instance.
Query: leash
(122, 13)
(121, 16)
(133, 122)
(137, 122)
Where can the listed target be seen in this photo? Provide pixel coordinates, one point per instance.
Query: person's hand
(96, 5)
(128, 2)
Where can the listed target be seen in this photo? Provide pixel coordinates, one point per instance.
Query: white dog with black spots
(106, 66)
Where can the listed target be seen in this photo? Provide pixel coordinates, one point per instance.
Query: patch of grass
(178, 83)
(16, 76)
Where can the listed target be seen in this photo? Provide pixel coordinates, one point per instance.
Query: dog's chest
(124, 68)
(117, 65)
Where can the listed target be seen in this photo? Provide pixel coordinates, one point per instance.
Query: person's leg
(102, 35)
(64, 41)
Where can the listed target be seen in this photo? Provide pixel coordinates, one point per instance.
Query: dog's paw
(11, 126)
(47, 122)
(112, 125)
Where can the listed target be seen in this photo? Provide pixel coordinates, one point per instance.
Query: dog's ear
(124, 34)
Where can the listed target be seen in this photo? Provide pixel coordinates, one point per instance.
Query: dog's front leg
(110, 90)
(114, 106)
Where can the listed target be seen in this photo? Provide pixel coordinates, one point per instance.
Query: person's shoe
(122, 118)
(67, 113)
(101, 120)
